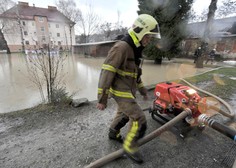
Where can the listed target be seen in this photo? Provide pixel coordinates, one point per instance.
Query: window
(59, 43)
(42, 29)
(23, 23)
(57, 25)
(48, 25)
(43, 38)
(32, 23)
(58, 34)
(41, 19)
(27, 42)
(25, 33)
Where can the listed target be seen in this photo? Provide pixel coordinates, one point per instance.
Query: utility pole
(22, 37)
(21, 31)
(70, 27)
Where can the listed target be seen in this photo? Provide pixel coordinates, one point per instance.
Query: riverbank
(64, 136)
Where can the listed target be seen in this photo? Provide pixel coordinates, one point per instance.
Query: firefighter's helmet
(146, 24)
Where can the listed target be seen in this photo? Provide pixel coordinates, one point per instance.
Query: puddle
(230, 62)
(233, 78)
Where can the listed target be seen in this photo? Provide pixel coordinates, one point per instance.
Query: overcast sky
(108, 9)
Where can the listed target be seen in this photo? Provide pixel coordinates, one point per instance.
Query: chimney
(23, 3)
(52, 8)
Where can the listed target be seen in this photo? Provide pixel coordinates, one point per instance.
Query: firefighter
(211, 56)
(120, 77)
(197, 54)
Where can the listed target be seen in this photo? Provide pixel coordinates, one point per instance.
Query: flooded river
(18, 92)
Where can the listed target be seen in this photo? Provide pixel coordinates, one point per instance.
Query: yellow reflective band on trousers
(109, 68)
(130, 137)
(121, 94)
(120, 72)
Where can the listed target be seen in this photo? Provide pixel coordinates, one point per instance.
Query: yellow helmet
(145, 24)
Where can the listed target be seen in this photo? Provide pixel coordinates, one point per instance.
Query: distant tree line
(226, 9)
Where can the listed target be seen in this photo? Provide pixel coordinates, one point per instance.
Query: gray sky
(108, 9)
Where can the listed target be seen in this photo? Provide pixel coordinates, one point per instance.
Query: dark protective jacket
(198, 53)
(119, 76)
(212, 54)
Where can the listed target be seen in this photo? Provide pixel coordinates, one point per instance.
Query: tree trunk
(207, 32)
(199, 62)
(158, 60)
(210, 18)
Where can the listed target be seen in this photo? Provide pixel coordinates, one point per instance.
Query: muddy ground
(68, 137)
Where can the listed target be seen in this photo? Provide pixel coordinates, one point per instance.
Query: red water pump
(172, 98)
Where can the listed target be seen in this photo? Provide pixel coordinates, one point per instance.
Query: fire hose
(217, 126)
(115, 155)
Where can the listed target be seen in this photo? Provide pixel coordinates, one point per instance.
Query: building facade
(30, 28)
(222, 37)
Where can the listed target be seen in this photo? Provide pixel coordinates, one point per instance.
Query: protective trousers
(130, 111)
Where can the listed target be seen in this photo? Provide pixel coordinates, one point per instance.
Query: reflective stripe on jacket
(119, 74)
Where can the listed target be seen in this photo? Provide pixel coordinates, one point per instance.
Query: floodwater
(81, 78)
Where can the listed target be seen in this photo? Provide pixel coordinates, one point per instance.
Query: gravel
(66, 137)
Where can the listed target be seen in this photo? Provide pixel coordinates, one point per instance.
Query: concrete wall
(225, 46)
(99, 49)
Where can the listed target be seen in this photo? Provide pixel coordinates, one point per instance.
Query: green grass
(219, 81)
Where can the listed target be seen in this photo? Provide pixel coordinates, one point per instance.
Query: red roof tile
(28, 12)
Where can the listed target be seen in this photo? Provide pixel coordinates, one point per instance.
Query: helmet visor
(155, 32)
(155, 35)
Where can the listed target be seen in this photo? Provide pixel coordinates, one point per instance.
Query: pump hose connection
(203, 118)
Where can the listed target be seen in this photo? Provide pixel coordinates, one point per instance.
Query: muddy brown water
(81, 78)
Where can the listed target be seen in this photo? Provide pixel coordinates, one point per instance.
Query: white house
(29, 27)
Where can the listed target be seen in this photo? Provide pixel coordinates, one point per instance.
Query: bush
(59, 95)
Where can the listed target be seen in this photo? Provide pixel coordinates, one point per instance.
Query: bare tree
(210, 18)
(206, 37)
(4, 6)
(226, 9)
(106, 30)
(45, 69)
(200, 17)
(89, 23)
(68, 8)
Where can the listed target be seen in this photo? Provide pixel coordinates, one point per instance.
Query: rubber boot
(115, 135)
(136, 156)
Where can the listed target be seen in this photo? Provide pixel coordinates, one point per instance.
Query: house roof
(27, 12)
(219, 27)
